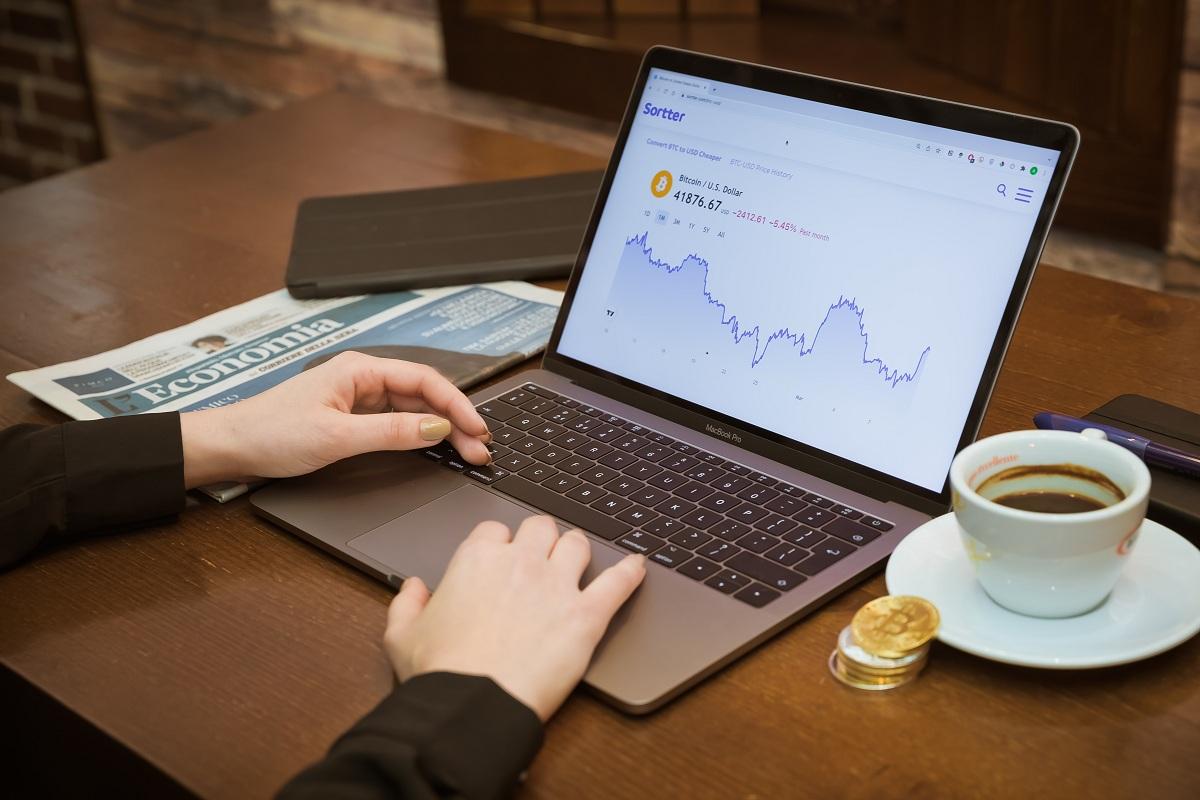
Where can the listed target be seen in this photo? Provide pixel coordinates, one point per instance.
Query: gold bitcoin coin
(894, 626)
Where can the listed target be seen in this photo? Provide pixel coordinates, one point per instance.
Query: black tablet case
(524, 229)
(1174, 498)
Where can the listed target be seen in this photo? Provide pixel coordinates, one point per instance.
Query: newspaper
(466, 332)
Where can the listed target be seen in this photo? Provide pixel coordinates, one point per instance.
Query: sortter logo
(660, 184)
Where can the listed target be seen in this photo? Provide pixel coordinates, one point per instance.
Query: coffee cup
(1048, 518)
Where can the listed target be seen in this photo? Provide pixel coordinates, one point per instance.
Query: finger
(571, 553)
(469, 447)
(490, 531)
(406, 379)
(407, 605)
(611, 588)
(537, 535)
(366, 433)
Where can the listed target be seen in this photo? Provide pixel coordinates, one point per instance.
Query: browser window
(831, 275)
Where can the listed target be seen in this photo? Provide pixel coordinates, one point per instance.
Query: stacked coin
(886, 644)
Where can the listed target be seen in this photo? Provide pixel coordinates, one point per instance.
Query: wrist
(209, 450)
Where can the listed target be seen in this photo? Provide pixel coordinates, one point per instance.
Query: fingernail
(487, 438)
(434, 428)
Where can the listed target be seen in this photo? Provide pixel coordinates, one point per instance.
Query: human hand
(328, 413)
(510, 608)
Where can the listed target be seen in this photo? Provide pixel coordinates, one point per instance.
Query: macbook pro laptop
(787, 315)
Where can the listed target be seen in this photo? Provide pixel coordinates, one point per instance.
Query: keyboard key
(540, 406)
(767, 572)
(674, 507)
(594, 451)
(562, 415)
(617, 460)
(552, 455)
(654, 452)
(791, 491)
(456, 462)
(637, 515)
(568, 402)
(816, 517)
(562, 483)
(598, 475)
(586, 493)
(623, 486)
(540, 497)
(786, 505)
(699, 569)
(591, 411)
(571, 440)
(574, 465)
(439, 452)
(718, 550)
(664, 526)
(661, 438)
(804, 536)
(705, 473)
(702, 518)
(817, 500)
(686, 449)
(636, 429)
(649, 496)
(538, 473)
(851, 531)
(720, 502)
(539, 390)
(529, 445)
(731, 484)
(727, 582)
(485, 474)
(612, 419)
(826, 554)
(876, 524)
(583, 424)
(775, 524)
(679, 463)
(494, 409)
(693, 491)
(748, 513)
(671, 556)
(757, 595)
(761, 479)
(611, 504)
(786, 554)
(640, 542)
(667, 480)
(630, 443)
(758, 494)
(523, 422)
(606, 433)
(642, 470)
(847, 512)
(547, 431)
(517, 397)
(729, 530)
(757, 542)
(690, 539)
(738, 469)
(713, 459)
(507, 435)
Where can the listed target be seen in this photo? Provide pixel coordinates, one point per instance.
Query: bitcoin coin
(894, 626)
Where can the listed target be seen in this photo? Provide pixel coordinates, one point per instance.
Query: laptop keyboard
(738, 531)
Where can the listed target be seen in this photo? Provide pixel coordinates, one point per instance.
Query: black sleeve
(436, 735)
(63, 481)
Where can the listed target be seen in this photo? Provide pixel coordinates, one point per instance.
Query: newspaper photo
(468, 333)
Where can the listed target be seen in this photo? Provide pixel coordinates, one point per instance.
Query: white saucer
(1154, 606)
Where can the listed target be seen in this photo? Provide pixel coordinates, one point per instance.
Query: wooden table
(220, 655)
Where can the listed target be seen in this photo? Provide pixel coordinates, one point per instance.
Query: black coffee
(1050, 502)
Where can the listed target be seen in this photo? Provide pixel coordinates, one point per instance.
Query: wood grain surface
(229, 654)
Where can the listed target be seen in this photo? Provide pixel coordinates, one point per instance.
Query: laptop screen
(834, 276)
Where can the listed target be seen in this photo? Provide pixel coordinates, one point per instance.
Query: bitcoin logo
(661, 184)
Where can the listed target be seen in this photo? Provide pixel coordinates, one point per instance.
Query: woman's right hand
(510, 608)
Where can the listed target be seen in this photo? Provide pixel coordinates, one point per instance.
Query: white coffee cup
(1048, 564)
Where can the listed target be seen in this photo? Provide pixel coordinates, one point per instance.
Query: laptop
(787, 314)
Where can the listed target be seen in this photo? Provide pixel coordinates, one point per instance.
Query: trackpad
(422, 541)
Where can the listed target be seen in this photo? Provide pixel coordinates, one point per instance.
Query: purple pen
(1150, 451)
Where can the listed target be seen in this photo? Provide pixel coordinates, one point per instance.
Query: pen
(1150, 451)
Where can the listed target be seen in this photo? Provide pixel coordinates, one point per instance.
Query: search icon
(1001, 189)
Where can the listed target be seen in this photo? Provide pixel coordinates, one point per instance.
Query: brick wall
(46, 119)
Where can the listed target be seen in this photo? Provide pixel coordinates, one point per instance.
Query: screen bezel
(1048, 134)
